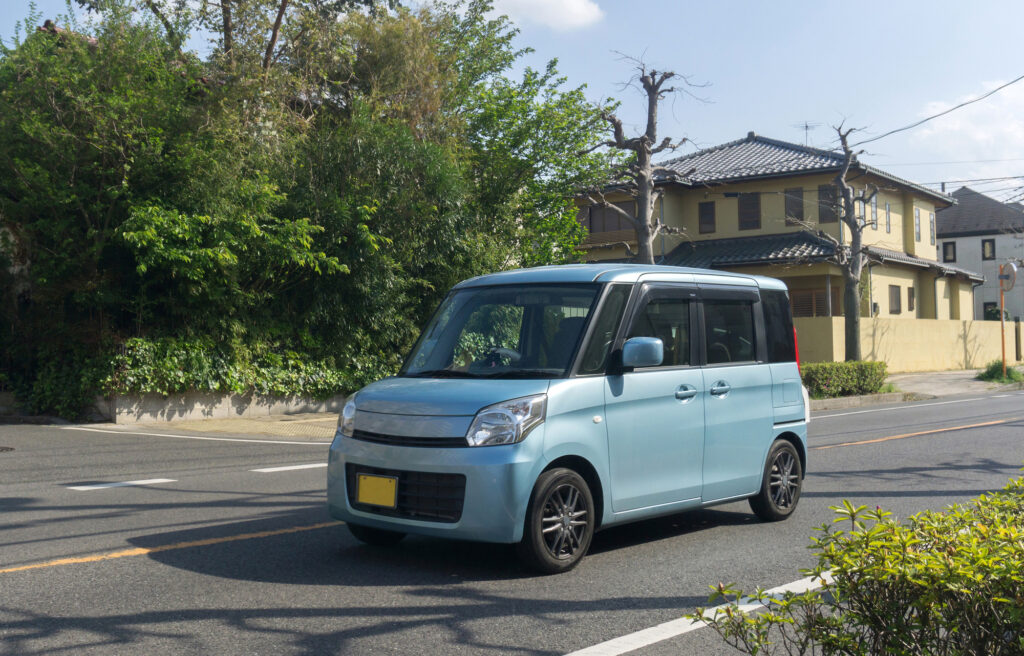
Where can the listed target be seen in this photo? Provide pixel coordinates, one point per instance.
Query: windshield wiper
(525, 373)
(442, 373)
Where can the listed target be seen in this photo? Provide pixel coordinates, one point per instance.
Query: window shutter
(794, 206)
(750, 211)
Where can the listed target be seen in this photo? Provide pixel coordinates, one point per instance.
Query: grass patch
(993, 373)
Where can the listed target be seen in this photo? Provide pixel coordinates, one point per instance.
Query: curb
(868, 399)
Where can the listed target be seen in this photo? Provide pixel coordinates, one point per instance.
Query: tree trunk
(644, 218)
(225, 9)
(851, 308)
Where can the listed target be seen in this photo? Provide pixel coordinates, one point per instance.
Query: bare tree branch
(267, 58)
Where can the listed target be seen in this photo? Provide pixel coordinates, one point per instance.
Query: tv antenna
(807, 126)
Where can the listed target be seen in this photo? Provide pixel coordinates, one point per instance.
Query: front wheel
(559, 522)
(780, 485)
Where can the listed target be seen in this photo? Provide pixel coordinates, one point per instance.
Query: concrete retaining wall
(197, 405)
(908, 345)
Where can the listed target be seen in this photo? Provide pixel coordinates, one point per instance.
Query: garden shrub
(832, 379)
(943, 582)
(994, 373)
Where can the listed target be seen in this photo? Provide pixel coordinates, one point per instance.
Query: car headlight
(507, 422)
(347, 418)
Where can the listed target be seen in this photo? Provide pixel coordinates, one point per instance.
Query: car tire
(377, 537)
(780, 485)
(560, 522)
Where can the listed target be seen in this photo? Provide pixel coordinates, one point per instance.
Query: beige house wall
(923, 345)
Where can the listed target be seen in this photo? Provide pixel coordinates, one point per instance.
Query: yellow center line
(142, 551)
(918, 434)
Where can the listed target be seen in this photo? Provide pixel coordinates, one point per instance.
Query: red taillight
(796, 350)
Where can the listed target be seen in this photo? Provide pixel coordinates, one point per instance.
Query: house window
(910, 299)
(988, 249)
(750, 211)
(931, 227)
(794, 206)
(894, 299)
(827, 204)
(917, 224)
(813, 302)
(949, 251)
(858, 206)
(706, 217)
(888, 218)
(874, 212)
(605, 219)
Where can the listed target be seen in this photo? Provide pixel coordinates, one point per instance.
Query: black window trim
(602, 298)
(993, 242)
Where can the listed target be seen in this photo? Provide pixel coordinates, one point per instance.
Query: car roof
(616, 272)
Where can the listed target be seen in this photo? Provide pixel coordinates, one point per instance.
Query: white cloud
(559, 15)
(978, 135)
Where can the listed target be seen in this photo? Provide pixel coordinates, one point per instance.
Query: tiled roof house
(762, 206)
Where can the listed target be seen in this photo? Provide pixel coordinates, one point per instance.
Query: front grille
(421, 495)
(404, 440)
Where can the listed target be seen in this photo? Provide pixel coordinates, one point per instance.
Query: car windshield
(507, 331)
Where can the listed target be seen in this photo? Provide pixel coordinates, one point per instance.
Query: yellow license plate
(377, 490)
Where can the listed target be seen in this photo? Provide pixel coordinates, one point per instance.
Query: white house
(978, 234)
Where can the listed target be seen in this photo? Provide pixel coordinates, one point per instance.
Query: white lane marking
(192, 437)
(102, 486)
(673, 628)
(270, 470)
(902, 407)
(1001, 396)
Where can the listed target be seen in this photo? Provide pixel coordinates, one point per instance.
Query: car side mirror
(642, 352)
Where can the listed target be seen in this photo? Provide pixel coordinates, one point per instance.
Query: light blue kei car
(540, 405)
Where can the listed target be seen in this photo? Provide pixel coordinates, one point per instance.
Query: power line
(943, 113)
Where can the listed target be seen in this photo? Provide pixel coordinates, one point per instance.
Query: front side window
(931, 227)
(949, 251)
(888, 218)
(668, 319)
(874, 212)
(988, 249)
(910, 299)
(917, 224)
(505, 331)
(595, 357)
(894, 299)
(729, 331)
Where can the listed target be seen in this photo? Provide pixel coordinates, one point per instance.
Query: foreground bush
(830, 379)
(994, 373)
(949, 582)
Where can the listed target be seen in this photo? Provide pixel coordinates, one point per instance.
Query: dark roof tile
(977, 214)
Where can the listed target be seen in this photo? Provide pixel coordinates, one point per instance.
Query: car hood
(442, 396)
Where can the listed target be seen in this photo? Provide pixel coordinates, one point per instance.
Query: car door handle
(721, 388)
(686, 392)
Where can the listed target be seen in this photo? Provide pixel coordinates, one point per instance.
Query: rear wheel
(377, 537)
(559, 522)
(780, 485)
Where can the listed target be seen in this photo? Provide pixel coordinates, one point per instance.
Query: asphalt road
(221, 559)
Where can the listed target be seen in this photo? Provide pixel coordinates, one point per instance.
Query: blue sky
(771, 66)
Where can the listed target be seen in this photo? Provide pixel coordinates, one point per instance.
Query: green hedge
(68, 379)
(174, 366)
(949, 582)
(830, 379)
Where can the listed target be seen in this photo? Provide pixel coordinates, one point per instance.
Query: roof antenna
(806, 126)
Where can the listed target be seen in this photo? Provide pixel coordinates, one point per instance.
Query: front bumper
(499, 480)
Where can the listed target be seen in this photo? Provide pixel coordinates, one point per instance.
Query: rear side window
(729, 331)
(778, 326)
(605, 327)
